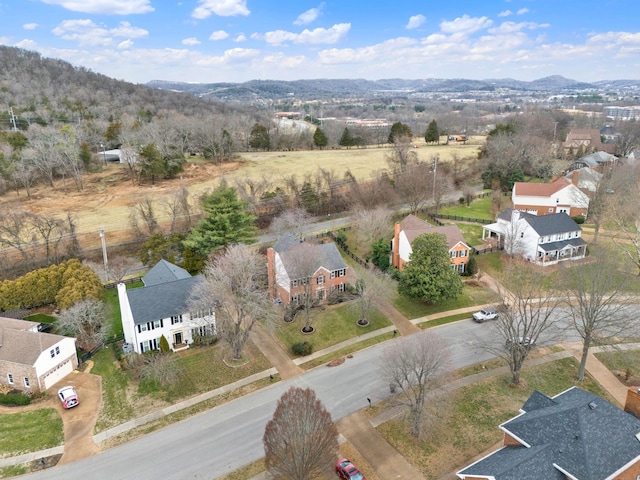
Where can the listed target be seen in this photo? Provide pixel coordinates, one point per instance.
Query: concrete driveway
(80, 421)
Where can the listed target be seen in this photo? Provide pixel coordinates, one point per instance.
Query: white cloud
(505, 13)
(86, 32)
(415, 21)
(222, 8)
(308, 37)
(218, 35)
(280, 60)
(510, 27)
(465, 24)
(191, 41)
(240, 38)
(125, 44)
(522, 11)
(324, 35)
(308, 16)
(30, 26)
(104, 7)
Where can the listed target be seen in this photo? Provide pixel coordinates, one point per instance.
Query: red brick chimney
(632, 404)
(395, 254)
(575, 176)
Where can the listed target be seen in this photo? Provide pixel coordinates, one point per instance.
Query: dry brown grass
(108, 195)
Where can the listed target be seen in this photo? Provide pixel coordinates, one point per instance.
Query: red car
(348, 471)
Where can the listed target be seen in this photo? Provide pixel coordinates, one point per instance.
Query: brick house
(406, 231)
(559, 196)
(324, 268)
(33, 361)
(575, 435)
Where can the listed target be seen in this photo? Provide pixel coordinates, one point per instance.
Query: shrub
(578, 219)
(14, 399)
(302, 348)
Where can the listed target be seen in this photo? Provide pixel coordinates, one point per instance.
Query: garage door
(56, 375)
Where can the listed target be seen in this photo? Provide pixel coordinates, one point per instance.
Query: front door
(177, 338)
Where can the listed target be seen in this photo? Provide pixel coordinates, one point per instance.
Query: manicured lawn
(625, 362)
(40, 318)
(202, 370)
(471, 233)
(471, 295)
(30, 431)
(470, 422)
(480, 208)
(333, 325)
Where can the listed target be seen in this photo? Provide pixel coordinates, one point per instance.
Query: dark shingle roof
(162, 300)
(163, 272)
(578, 432)
(328, 255)
(551, 224)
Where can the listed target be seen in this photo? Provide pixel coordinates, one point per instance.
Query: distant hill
(345, 88)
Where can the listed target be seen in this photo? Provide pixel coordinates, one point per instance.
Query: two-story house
(406, 231)
(559, 196)
(325, 271)
(160, 308)
(33, 361)
(575, 435)
(544, 240)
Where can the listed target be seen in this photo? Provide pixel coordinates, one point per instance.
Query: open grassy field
(109, 195)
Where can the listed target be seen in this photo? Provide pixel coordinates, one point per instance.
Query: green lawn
(471, 295)
(30, 431)
(41, 318)
(480, 208)
(469, 424)
(202, 370)
(333, 325)
(471, 233)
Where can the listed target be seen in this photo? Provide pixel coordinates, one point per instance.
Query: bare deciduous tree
(372, 224)
(86, 320)
(416, 365)
(415, 184)
(233, 287)
(402, 154)
(625, 214)
(303, 260)
(291, 221)
(301, 440)
(180, 211)
(529, 307)
(598, 298)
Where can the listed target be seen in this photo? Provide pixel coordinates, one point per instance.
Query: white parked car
(68, 397)
(485, 314)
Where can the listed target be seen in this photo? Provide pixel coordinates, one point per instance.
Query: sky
(209, 41)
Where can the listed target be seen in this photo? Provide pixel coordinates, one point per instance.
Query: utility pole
(104, 253)
(13, 120)
(435, 167)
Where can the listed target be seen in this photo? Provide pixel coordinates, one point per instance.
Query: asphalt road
(225, 438)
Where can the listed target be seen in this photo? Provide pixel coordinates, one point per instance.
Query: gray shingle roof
(551, 224)
(328, 254)
(579, 432)
(163, 272)
(162, 300)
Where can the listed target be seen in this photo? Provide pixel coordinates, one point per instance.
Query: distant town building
(623, 113)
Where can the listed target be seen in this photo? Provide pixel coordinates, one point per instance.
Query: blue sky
(240, 40)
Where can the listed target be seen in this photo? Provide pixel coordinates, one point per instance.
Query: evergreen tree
(398, 130)
(432, 134)
(259, 138)
(227, 222)
(380, 251)
(320, 139)
(428, 276)
(346, 140)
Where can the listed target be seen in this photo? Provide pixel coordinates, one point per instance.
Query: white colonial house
(160, 308)
(33, 361)
(559, 196)
(544, 239)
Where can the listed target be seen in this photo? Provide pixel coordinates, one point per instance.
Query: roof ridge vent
(593, 405)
